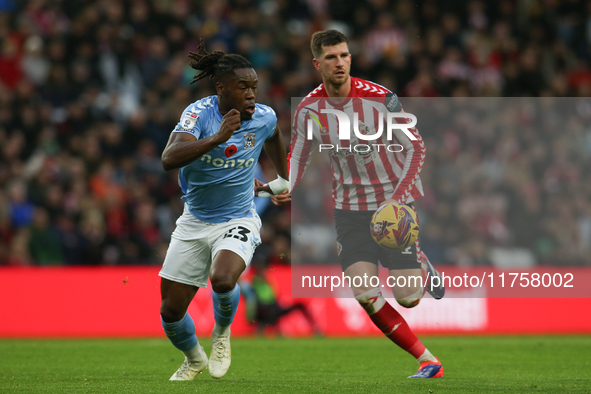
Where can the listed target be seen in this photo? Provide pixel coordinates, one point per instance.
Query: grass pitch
(474, 364)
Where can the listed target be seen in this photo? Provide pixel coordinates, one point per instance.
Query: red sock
(396, 328)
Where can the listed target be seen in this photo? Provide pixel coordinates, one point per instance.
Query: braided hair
(214, 64)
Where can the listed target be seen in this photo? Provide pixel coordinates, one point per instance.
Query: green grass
(555, 364)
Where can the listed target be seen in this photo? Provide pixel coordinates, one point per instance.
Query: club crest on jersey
(248, 141)
(364, 129)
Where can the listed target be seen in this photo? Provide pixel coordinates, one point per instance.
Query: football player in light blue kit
(216, 145)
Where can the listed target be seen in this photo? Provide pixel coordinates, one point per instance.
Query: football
(394, 226)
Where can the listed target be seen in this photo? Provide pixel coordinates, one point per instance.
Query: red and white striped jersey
(364, 179)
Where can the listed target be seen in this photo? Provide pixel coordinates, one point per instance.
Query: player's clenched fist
(230, 123)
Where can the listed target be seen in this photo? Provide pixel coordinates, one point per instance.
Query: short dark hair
(216, 64)
(325, 38)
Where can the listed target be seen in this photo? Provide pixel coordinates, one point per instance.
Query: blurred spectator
(44, 242)
(20, 210)
(262, 306)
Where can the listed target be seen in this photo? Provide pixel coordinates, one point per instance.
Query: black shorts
(355, 243)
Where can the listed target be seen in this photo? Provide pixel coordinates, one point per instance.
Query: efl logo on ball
(394, 226)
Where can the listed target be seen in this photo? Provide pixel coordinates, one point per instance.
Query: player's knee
(222, 283)
(358, 291)
(372, 300)
(170, 312)
(408, 302)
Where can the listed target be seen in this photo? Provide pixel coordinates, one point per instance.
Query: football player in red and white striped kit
(361, 183)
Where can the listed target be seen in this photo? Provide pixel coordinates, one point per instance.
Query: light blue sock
(225, 306)
(181, 333)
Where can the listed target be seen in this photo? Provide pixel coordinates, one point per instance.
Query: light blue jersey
(219, 186)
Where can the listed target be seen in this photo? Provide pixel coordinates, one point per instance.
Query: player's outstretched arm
(275, 150)
(184, 148)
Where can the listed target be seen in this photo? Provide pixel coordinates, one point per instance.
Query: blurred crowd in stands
(511, 177)
(90, 90)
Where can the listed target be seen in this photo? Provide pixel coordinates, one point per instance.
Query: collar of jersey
(348, 99)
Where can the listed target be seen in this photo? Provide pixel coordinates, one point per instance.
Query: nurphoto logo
(365, 132)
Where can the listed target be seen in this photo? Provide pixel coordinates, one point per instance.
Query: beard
(337, 80)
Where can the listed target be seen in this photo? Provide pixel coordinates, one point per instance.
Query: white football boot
(188, 370)
(221, 355)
